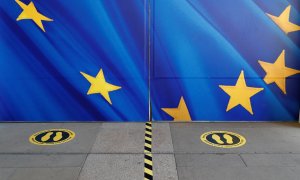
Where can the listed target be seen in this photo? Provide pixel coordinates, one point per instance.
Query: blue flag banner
(133, 60)
(73, 60)
(225, 60)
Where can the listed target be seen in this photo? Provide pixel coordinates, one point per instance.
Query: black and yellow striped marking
(148, 172)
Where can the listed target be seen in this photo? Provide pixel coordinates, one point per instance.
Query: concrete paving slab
(125, 125)
(161, 138)
(120, 138)
(209, 160)
(272, 152)
(46, 174)
(113, 166)
(284, 139)
(164, 167)
(14, 137)
(38, 160)
(236, 173)
(5, 173)
(238, 124)
(271, 160)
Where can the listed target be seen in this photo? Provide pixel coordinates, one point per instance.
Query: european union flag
(181, 60)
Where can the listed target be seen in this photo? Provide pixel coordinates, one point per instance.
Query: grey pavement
(115, 151)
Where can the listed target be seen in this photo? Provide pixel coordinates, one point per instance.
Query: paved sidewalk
(116, 151)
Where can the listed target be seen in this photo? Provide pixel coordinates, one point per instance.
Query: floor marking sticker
(223, 139)
(148, 173)
(52, 137)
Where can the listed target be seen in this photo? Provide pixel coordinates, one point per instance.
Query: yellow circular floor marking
(223, 139)
(52, 137)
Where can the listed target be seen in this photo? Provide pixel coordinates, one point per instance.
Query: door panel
(87, 47)
(200, 48)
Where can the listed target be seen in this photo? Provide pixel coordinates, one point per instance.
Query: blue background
(195, 46)
(201, 44)
(40, 72)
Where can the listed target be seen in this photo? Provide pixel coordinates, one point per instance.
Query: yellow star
(278, 72)
(240, 94)
(99, 85)
(283, 21)
(30, 12)
(181, 113)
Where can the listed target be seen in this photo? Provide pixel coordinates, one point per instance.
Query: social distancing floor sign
(223, 139)
(52, 137)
